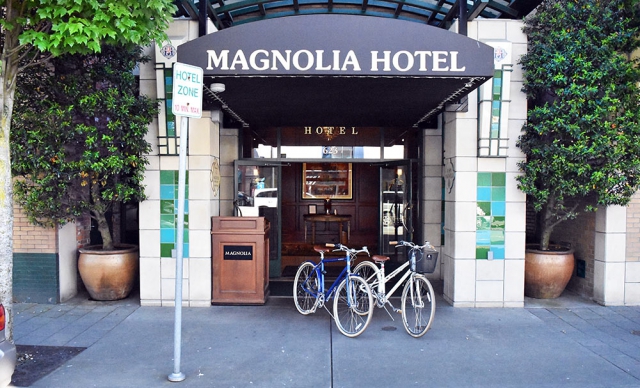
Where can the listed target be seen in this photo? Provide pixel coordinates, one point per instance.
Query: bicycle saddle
(321, 248)
(379, 258)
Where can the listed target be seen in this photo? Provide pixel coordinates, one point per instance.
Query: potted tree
(582, 135)
(78, 145)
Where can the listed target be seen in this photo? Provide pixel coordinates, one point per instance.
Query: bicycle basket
(425, 261)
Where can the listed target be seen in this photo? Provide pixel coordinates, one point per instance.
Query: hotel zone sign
(187, 90)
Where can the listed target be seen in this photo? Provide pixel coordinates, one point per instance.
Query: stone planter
(108, 275)
(546, 273)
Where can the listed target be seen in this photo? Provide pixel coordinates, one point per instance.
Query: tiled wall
(169, 214)
(490, 215)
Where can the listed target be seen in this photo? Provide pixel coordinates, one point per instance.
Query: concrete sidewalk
(565, 342)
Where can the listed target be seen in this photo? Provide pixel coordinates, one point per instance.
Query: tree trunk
(9, 72)
(546, 225)
(103, 228)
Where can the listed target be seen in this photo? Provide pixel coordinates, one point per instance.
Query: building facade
(458, 158)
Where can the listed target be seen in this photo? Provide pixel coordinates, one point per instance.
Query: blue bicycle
(352, 299)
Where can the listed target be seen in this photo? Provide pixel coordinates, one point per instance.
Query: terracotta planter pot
(108, 275)
(546, 273)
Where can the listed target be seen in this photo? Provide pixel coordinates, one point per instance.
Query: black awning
(338, 70)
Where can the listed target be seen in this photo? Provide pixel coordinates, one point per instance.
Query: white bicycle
(418, 304)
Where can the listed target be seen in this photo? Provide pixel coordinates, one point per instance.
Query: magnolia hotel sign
(262, 60)
(339, 45)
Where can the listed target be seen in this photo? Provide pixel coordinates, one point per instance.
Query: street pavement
(567, 342)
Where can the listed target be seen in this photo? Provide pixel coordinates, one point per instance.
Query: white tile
(149, 211)
(513, 193)
(200, 162)
(489, 291)
(632, 272)
(200, 185)
(169, 291)
(465, 216)
(199, 214)
(465, 164)
(632, 294)
(170, 163)
(150, 243)
(199, 141)
(151, 182)
(149, 278)
(614, 284)
(514, 31)
(612, 219)
(200, 243)
(489, 270)
(465, 186)
(514, 245)
(467, 138)
(615, 245)
(516, 217)
(200, 279)
(492, 30)
(491, 164)
(465, 247)
(168, 268)
(514, 280)
(464, 280)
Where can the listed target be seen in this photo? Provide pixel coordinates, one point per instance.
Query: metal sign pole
(187, 102)
(177, 376)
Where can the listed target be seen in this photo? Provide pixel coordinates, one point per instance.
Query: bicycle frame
(325, 296)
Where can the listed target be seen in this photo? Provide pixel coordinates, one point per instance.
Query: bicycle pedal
(399, 311)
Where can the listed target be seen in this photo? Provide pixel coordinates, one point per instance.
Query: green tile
(165, 250)
(498, 193)
(483, 223)
(167, 177)
(482, 252)
(484, 179)
(497, 222)
(497, 237)
(483, 209)
(167, 221)
(166, 206)
(498, 179)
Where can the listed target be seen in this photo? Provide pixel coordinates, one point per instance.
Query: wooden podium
(240, 268)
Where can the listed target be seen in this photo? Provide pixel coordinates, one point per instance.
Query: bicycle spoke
(353, 306)
(418, 306)
(306, 287)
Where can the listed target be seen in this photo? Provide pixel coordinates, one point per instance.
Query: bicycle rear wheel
(353, 306)
(306, 287)
(418, 305)
(369, 272)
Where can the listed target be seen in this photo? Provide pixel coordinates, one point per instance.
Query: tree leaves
(582, 136)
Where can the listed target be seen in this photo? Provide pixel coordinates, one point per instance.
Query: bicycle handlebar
(341, 247)
(402, 243)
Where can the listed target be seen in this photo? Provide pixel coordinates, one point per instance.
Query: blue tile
(166, 192)
(483, 237)
(167, 235)
(484, 194)
(498, 208)
(498, 251)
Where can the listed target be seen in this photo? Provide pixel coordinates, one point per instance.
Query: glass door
(397, 207)
(257, 184)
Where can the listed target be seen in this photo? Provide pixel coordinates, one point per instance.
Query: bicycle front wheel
(352, 306)
(369, 272)
(418, 305)
(306, 287)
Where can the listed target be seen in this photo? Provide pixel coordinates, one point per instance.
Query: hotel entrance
(357, 186)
